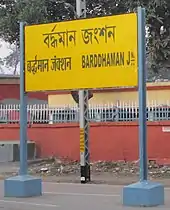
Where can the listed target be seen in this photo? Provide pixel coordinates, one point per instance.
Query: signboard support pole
(144, 192)
(84, 137)
(22, 185)
(83, 106)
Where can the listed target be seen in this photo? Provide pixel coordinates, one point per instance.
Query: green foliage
(158, 20)
(158, 45)
(11, 12)
(43, 11)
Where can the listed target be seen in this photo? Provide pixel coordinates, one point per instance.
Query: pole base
(143, 194)
(22, 186)
(85, 174)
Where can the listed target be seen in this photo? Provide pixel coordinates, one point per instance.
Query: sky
(4, 51)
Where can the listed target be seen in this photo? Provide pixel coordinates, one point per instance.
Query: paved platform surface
(75, 197)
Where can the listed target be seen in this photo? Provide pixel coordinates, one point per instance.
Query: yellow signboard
(82, 54)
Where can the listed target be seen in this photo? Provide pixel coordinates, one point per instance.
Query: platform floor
(75, 197)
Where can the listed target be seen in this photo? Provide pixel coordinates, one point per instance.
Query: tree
(12, 60)
(43, 11)
(30, 11)
(158, 21)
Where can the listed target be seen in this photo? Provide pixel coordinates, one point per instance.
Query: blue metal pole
(142, 94)
(23, 107)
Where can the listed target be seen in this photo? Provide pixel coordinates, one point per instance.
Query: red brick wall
(110, 141)
(12, 91)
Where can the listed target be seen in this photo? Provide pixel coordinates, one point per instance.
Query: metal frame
(141, 193)
(142, 94)
(24, 185)
(23, 106)
(83, 116)
(83, 104)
